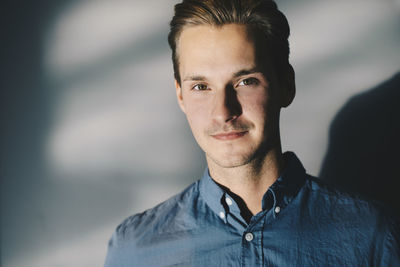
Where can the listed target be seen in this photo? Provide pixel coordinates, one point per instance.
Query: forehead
(214, 49)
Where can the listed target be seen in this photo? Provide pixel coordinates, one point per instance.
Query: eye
(248, 81)
(200, 87)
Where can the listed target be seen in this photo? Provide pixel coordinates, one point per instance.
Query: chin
(229, 161)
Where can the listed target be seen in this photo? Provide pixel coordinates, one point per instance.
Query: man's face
(232, 109)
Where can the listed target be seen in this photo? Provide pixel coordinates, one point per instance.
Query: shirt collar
(279, 194)
(289, 183)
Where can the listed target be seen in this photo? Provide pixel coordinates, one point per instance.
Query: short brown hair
(261, 17)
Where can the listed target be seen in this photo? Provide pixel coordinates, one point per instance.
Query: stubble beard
(254, 156)
(237, 155)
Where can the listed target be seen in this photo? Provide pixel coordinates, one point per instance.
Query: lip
(229, 135)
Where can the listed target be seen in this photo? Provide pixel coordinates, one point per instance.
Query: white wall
(114, 141)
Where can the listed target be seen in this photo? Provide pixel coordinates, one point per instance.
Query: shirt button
(277, 209)
(249, 236)
(228, 201)
(222, 215)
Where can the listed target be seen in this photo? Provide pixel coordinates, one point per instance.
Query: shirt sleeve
(121, 247)
(114, 256)
(391, 246)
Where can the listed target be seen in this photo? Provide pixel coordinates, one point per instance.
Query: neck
(250, 181)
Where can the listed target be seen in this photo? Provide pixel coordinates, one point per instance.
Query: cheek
(196, 115)
(255, 106)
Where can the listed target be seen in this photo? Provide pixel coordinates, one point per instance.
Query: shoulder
(335, 197)
(354, 218)
(349, 207)
(132, 241)
(156, 220)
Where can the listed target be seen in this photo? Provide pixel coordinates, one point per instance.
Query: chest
(281, 243)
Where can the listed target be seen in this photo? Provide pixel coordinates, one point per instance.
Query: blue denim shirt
(303, 223)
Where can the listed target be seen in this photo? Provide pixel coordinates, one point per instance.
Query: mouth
(229, 135)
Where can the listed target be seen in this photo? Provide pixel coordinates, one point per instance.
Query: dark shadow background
(25, 116)
(364, 144)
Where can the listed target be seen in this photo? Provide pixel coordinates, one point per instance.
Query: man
(254, 205)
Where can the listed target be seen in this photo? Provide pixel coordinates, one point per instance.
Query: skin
(232, 108)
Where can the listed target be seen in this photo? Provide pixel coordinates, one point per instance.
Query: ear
(179, 96)
(289, 87)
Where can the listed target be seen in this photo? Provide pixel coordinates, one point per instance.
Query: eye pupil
(249, 82)
(200, 87)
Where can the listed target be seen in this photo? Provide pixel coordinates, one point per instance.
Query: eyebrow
(239, 73)
(246, 72)
(194, 78)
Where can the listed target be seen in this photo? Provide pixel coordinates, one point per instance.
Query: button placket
(228, 201)
(249, 237)
(222, 215)
(277, 209)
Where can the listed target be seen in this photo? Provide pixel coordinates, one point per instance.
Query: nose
(226, 105)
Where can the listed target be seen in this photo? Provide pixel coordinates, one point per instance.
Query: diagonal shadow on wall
(40, 212)
(364, 144)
